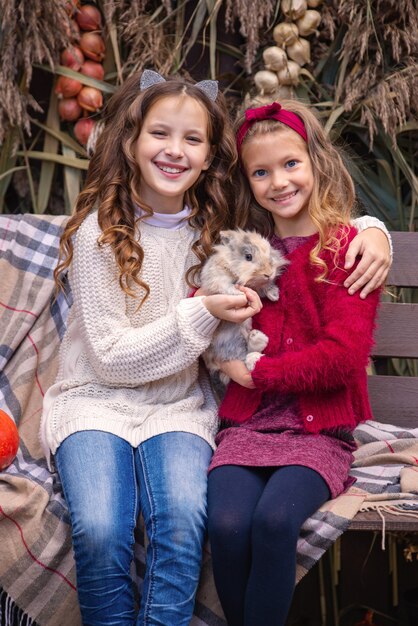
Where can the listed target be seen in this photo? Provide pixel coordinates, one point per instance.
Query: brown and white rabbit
(241, 258)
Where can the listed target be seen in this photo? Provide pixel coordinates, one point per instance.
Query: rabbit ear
(226, 235)
(246, 237)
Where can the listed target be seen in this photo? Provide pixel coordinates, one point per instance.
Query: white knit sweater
(134, 373)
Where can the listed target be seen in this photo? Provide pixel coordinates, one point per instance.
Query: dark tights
(255, 515)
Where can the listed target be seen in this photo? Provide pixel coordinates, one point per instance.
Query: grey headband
(149, 78)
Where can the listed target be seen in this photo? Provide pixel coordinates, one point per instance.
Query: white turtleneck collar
(171, 221)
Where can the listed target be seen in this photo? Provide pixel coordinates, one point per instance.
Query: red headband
(272, 111)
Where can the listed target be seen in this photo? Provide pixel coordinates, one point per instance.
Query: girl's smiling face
(171, 151)
(280, 174)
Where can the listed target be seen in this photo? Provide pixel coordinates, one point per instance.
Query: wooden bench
(394, 399)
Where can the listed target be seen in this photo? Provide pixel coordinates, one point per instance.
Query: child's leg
(233, 494)
(172, 474)
(98, 477)
(291, 495)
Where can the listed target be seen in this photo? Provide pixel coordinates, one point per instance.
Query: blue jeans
(106, 484)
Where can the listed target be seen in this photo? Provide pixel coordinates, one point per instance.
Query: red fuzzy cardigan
(320, 339)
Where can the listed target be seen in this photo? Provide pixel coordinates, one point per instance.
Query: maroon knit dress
(274, 436)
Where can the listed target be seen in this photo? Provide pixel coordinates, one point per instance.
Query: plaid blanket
(37, 573)
(386, 470)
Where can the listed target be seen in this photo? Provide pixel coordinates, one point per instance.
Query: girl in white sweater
(131, 418)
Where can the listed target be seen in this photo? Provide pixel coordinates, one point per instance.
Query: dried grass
(30, 32)
(380, 49)
(148, 42)
(254, 18)
(154, 42)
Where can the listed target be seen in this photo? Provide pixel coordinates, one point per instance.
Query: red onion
(92, 69)
(72, 57)
(67, 87)
(83, 128)
(93, 46)
(89, 18)
(90, 99)
(69, 109)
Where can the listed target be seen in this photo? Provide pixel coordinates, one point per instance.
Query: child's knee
(103, 543)
(227, 526)
(274, 526)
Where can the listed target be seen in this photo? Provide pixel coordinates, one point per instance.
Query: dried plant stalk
(148, 42)
(380, 49)
(254, 17)
(30, 32)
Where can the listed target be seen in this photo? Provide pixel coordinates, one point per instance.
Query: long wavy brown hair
(113, 182)
(332, 201)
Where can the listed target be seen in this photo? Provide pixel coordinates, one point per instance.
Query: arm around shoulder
(374, 245)
(369, 221)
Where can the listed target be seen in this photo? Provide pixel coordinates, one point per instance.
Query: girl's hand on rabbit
(234, 308)
(237, 371)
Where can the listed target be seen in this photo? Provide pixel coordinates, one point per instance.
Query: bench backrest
(394, 399)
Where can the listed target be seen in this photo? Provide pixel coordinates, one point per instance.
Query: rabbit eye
(248, 257)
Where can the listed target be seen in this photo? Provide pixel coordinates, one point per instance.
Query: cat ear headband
(272, 111)
(149, 78)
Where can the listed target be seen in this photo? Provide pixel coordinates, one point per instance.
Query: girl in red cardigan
(290, 411)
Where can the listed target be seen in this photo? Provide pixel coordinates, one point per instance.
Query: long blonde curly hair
(113, 182)
(332, 201)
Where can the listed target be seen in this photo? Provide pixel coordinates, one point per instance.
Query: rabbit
(241, 258)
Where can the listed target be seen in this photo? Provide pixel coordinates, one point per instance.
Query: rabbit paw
(224, 378)
(257, 341)
(272, 293)
(251, 360)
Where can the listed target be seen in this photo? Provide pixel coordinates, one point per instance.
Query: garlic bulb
(294, 9)
(266, 82)
(274, 58)
(290, 74)
(308, 24)
(284, 34)
(314, 3)
(300, 51)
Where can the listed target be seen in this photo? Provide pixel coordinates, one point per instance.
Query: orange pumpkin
(9, 440)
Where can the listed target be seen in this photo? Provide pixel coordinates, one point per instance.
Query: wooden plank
(404, 271)
(397, 330)
(371, 520)
(394, 400)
